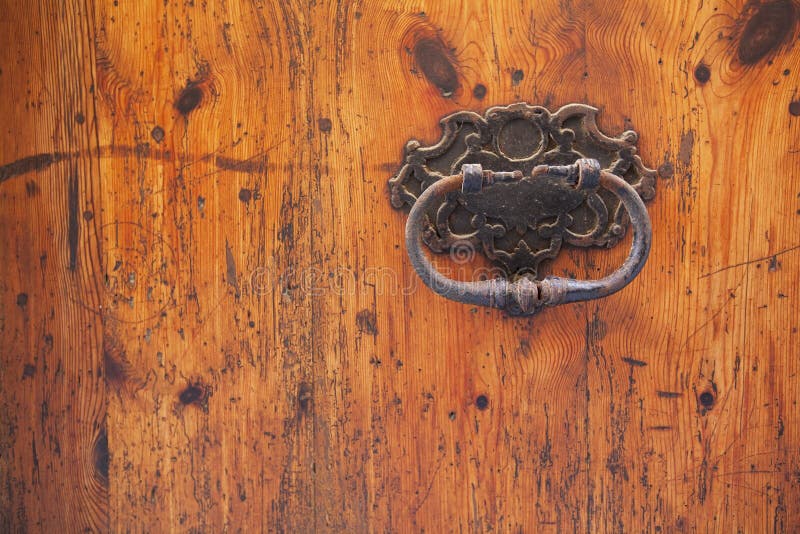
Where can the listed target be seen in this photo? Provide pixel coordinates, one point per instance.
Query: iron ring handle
(525, 296)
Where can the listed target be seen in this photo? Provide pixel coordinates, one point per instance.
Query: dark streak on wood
(633, 362)
(72, 221)
(686, 147)
(28, 164)
(249, 166)
(230, 269)
(38, 162)
(668, 394)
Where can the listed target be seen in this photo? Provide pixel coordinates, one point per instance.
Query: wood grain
(209, 323)
(53, 449)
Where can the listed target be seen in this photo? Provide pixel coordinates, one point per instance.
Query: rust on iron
(526, 295)
(513, 183)
(519, 226)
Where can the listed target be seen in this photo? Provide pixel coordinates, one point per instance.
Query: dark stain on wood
(325, 125)
(72, 221)
(100, 456)
(31, 163)
(35, 458)
(249, 166)
(245, 195)
(28, 371)
(517, 76)
(22, 300)
(794, 108)
(666, 170)
(769, 27)
(366, 321)
(139, 151)
(114, 370)
(774, 264)
(668, 394)
(189, 99)
(615, 464)
(195, 393)
(479, 91)
(702, 73)
(40, 162)
(286, 235)
(31, 188)
(80, 118)
(435, 63)
(482, 402)
(115, 364)
(304, 397)
(686, 147)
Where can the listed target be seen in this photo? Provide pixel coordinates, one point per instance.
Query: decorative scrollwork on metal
(522, 223)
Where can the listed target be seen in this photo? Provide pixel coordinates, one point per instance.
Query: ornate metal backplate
(522, 223)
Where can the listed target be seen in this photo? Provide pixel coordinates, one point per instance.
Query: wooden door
(209, 322)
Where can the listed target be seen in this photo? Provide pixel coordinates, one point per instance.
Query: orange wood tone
(209, 322)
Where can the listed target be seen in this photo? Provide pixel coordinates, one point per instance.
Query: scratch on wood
(72, 221)
(771, 258)
(230, 269)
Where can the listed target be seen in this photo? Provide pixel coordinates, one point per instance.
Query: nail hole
(707, 399)
(482, 402)
(702, 73)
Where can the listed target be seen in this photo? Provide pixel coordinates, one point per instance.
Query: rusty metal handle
(525, 296)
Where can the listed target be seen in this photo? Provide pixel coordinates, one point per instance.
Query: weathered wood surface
(204, 325)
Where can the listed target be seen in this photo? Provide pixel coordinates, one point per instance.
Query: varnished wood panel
(53, 449)
(209, 322)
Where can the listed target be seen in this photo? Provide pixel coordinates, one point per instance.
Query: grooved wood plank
(206, 240)
(53, 442)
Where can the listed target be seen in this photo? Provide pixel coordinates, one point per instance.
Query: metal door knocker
(518, 182)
